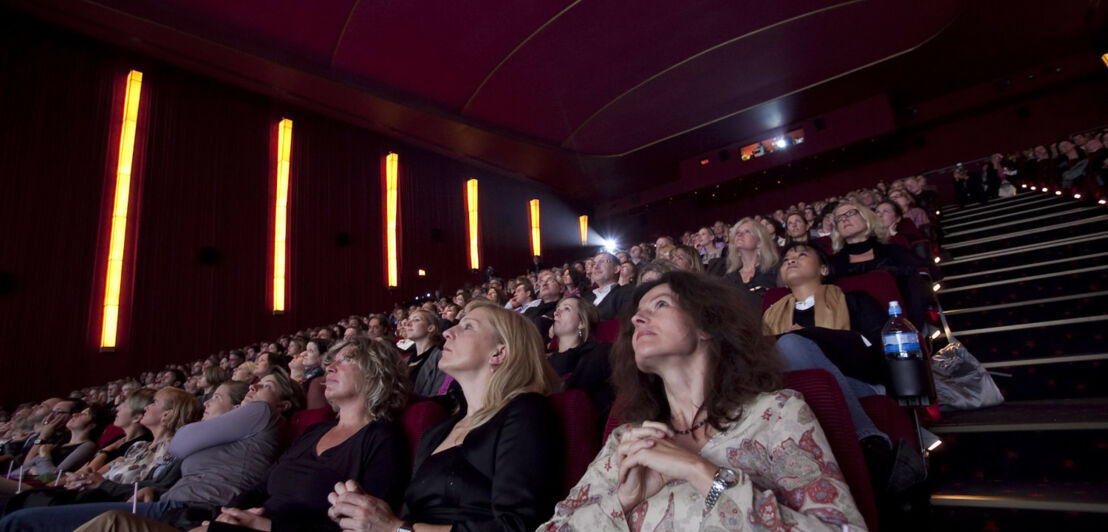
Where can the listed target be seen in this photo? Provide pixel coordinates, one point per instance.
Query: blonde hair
(183, 409)
(433, 321)
(873, 226)
(385, 384)
(766, 253)
(524, 369)
(696, 264)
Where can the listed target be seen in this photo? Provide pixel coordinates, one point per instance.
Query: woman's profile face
(662, 329)
(470, 344)
(261, 365)
(418, 327)
(704, 237)
(344, 378)
(311, 356)
(218, 403)
(566, 320)
(155, 412)
(800, 264)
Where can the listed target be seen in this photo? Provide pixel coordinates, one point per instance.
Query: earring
(580, 333)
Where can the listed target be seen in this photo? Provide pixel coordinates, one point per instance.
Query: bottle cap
(894, 308)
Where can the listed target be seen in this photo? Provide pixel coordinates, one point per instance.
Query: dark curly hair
(742, 358)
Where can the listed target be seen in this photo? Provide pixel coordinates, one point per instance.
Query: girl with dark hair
(711, 441)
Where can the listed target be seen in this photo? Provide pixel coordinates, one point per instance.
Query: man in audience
(524, 296)
(172, 377)
(608, 296)
(377, 328)
(550, 292)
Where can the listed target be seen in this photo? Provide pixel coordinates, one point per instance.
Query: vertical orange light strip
(1105, 59)
(114, 280)
(471, 216)
(280, 217)
(391, 162)
(583, 226)
(536, 244)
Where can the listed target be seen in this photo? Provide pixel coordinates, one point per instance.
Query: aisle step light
(280, 214)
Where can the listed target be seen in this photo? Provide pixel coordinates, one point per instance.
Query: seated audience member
(711, 257)
(148, 462)
(580, 358)
(423, 363)
(685, 259)
(796, 228)
(637, 256)
(901, 231)
(378, 328)
(244, 372)
(576, 282)
(496, 295)
(821, 327)
(128, 417)
(655, 269)
(495, 464)
(524, 296)
(210, 379)
(48, 460)
(907, 204)
(609, 297)
(752, 261)
(550, 292)
(628, 272)
(711, 442)
(311, 363)
(860, 247)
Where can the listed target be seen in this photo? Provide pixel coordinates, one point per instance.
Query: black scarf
(860, 247)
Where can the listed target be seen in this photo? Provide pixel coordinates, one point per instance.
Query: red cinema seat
(577, 416)
(417, 419)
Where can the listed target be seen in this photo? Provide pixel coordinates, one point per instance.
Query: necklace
(689, 430)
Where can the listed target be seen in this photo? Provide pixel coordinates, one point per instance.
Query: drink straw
(134, 500)
(10, 464)
(19, 488)
(59, 479)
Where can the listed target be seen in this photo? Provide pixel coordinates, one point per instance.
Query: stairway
(1026, 291)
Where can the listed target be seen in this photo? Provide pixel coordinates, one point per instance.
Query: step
(1045, 309)
(1055, 496)
(1025, 220)
(1023, 268)
(1033, 210)
(1061, 377)
(1062, 248)
(1025, 416)
(994, 210)
(998, 204)
(1040, 234)
(1035, 340)
(946, 518)
(1036, 456)
(1077, 281)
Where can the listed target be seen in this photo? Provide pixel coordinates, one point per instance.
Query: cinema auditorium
(553, 265)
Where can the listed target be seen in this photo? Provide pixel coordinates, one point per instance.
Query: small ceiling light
(421, 272)
(781, 143)
(1023, 185)
(704, 162)
(1033, 187)
(1057, 192)
(1101, 202)
(1077, 196)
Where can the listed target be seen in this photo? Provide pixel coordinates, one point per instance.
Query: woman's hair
(321, 345)
(183, 409)
(873, 226)
(236, 391)
(578, 278)
(499, 295)
(101, 417)
(695, 263)
(742, 361)
(249, 367)
(659, 266)
(385, 383)
(767, 248)
(433, 321)
(907, 195)
(588, 316)
(215, 375)
(138, 399)
(524, 368)
(289, 390)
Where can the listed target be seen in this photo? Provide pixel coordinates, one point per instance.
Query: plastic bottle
(910, 378)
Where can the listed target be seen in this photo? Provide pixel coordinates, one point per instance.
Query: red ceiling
(590, 97)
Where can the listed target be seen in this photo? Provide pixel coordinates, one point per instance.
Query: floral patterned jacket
(787, 480)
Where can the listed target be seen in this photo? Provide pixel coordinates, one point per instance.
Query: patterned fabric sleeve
(592, 504)
(791, 455)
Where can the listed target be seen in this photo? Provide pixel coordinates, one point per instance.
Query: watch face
(727, 476)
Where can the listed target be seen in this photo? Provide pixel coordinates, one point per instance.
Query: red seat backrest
(110, 433)
(773, 295)
(419, 417)
(577, 416)
(607, 331)
(823, 395)
(879, 284)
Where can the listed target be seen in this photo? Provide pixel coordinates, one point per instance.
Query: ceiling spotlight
(781, 143)
(610, 245)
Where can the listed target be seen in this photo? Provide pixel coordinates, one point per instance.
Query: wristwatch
(725, 478)
(408, 526)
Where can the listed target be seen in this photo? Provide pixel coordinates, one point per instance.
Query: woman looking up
(711, 442)
(427, 379)
(751, 259)
(580, 358)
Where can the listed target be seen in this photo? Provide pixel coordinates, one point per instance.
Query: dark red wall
(206, 185)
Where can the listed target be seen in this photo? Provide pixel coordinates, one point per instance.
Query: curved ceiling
(586, 96)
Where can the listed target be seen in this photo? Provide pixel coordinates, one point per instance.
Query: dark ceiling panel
(437, 51)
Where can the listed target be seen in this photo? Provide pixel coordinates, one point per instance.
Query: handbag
(961, 383)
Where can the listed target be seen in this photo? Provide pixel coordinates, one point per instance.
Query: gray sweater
(225, 456)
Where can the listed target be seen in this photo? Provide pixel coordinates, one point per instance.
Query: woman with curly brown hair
(711, 441)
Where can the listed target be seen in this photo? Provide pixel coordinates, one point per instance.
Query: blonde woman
(495, 463)
(752, 261)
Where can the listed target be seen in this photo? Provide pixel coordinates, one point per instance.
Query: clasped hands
(648, 458)
(353, 510)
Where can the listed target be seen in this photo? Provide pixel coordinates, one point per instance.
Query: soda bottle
(910, 380)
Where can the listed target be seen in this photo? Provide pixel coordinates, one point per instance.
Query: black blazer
(612, 304)
(506, 474)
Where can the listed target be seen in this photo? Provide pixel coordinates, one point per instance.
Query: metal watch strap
(408, 526)
(725, 478)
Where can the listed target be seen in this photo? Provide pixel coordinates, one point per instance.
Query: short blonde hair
(524, 369)
(767, 249)
(873, 226)
(385, 383)
(182, 406)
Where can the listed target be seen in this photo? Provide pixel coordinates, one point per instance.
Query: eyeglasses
(603, 261)
(839, 218)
